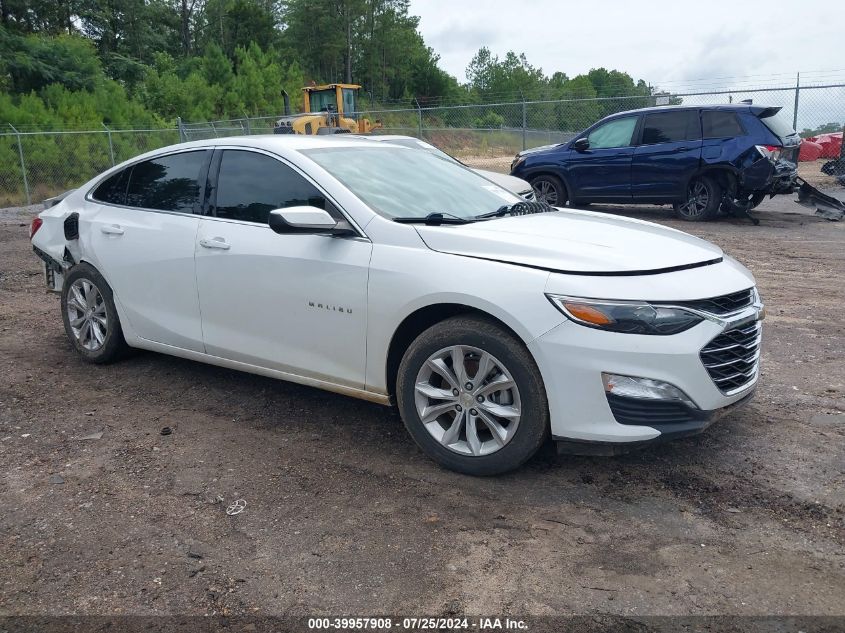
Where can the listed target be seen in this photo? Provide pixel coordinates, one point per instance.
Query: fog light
(644, 388)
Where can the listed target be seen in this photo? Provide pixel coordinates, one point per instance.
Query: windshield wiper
(435, 219)
(518, 208)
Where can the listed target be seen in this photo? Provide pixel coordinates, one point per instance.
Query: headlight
(629, 317)
(517, 161)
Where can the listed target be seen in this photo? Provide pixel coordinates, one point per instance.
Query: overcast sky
(669, 42)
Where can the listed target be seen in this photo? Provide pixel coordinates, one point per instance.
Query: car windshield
(417, 144)
(399, 183)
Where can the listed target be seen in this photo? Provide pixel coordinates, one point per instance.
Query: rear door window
(250, 185)
(167, 183)
(670, 127)
(719, 124)
(616, 133)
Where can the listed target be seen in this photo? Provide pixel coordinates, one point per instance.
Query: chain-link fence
(35, 165)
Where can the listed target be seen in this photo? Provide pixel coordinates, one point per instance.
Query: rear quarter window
(778, 124)
(113, 189)
(718, 124)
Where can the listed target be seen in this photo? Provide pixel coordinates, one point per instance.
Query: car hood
(539, 148)
(511, 183)
(572, 241)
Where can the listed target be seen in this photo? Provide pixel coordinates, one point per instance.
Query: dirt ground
(345, 515)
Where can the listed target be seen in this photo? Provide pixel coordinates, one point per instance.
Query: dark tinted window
(169, 183)
(113, 188)
(250, 185)
(669, 127)
(717, 124)
(778, 125)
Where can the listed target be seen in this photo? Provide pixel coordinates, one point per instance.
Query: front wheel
(472, 397)
(704, 196)
(549, 189)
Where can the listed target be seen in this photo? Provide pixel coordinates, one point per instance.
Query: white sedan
(386, 273)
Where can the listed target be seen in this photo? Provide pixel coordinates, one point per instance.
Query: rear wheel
(550, 189)
(472, 397)
(90, 317)
(704, 196)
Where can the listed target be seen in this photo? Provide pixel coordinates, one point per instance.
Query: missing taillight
(772, 152)
(34, 226)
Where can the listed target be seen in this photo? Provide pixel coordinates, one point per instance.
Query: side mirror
(306, 219)
(581, 145)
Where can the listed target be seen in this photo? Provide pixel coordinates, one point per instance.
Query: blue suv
(700, 159)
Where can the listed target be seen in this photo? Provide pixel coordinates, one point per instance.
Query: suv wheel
(472, 397)
(90, 318)
(550, 189)
(704, 196)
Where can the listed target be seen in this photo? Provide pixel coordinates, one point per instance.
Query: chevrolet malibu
(388, 274)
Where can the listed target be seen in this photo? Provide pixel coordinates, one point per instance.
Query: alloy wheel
(698, 197)
(544, 191)
(467, 400)
(86, 312)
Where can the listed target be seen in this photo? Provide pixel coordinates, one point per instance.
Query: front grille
(726, 304)
(645, 412)
(732, 358)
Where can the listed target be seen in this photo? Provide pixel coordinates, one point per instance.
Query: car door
(296, 302)
(143, 235)
(668, 155)
(603, 170)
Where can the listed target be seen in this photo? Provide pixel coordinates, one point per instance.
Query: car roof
(727, 107)
(273, 142)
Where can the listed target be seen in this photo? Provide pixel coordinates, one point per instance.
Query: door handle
(215, 242)
(111, 229)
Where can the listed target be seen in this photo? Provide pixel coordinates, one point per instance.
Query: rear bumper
(764, 177)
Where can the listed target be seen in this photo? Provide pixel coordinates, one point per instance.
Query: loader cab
(340, 98)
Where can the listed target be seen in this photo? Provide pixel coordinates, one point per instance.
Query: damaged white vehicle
(388, 274)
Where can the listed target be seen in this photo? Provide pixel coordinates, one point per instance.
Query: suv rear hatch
(780, 127)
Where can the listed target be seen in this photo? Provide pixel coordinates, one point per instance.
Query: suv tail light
(772, 152)
(34, 226)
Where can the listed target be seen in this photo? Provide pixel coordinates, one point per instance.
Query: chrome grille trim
(722, 306)
(732, 359)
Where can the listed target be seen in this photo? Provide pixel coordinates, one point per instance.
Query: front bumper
(572, 358)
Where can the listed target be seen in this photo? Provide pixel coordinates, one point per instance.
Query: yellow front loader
(328, 109)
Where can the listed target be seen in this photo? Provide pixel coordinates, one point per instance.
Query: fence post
(524, 118)
(795, 113)
(23, 165)
(419, 112)
(111, 147)
(182, 136)
(248, 127)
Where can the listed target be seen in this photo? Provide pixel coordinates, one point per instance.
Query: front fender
(402, 283)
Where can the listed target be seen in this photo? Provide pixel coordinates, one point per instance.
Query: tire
(458, 433)
(550, 189)
(704, 197)
(90, 317)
